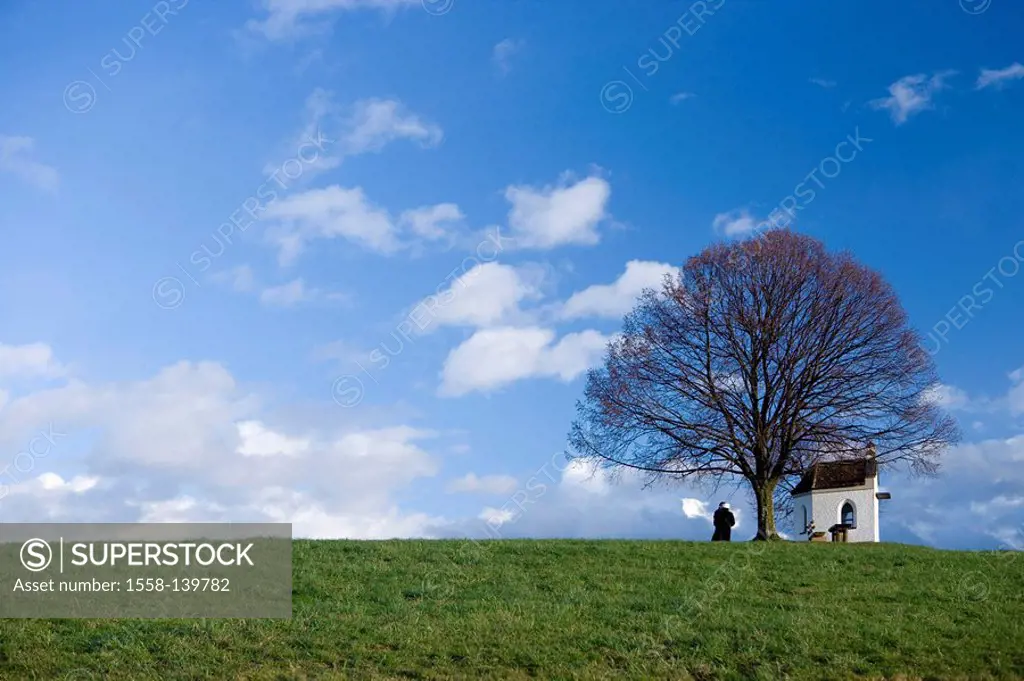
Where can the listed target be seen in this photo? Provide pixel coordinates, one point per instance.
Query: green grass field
(578, 609)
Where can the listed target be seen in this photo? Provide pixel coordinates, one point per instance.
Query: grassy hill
(578, 609)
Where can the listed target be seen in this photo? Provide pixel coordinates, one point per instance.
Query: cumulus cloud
(556, 215)
(576, 499)
(948, 397)
(33, 360)
(971, 504)
(485, 295)
(998, 78)
(486, 484)
(50, 497)
(955, 399)
(16, 158)
(492, 358)
(503, 52)
(616, 299)
(496, 516)
(1015, 397)
(285, 295)
(48, 484)
(328, 213)
(998, 503)
(433, 222)
(975, 503)
(337, 212)
(240, 278)
(316, 144)
(377, 122)
(180, 446)
(695, 508)
(331, 132)
(291, 19)
(734, 223)
(255, 439)
(309, 516)
(296, 292)
(911, 95)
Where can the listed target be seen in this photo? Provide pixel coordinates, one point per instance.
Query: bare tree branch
(759, 359)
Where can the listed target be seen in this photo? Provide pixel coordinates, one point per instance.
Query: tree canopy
(758, 359)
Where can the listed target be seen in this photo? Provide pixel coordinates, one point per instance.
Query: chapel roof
(837, 475)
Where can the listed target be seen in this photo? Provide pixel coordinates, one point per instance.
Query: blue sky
(344, 263)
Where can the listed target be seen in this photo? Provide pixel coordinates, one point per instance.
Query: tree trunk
(764, 493)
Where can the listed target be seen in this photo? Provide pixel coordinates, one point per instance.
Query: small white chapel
(838, 500)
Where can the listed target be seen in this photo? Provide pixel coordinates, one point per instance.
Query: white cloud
(503, 53)
(975, 503)
(680, 97)
(321, 111)
(585, 476)
(34, 360)
(76, 485)
(823, 82)
(331, 132)
(1015, 398)
(432, 222)
(911, 94)
(181, 417)
(347, 213)
(285, 295)
(54, 484)
(616, 299)
(565, 213)
(730, 382)
(734, 223)
(492, 358)
(183, 509)
(310, 517)
(181, 445)
(999, 78)
(695, 508)
(1009, 537)
(487, 484)
(314, 519)
(255, 439)
(997, 504)
(578, 499)
(295, 292)
(485, 295)
(291, 19)
(15, 158)
(377, 122)
(338, 350)
(240, 278)
(955, 399)
(327, 213)
(948, 396)
(977, 479)
(495, 516)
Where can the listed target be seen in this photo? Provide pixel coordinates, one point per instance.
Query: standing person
(724, 521)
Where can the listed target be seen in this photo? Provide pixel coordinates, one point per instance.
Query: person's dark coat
(724, 521)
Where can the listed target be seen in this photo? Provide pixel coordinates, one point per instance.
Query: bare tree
(759, 359)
